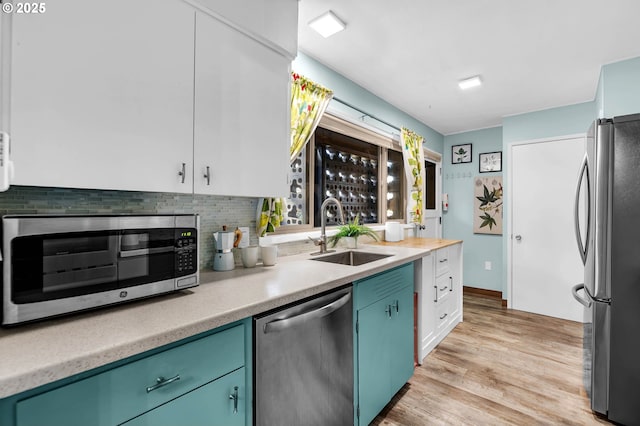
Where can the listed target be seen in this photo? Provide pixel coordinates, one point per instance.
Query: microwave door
(147, 255)
(78, 261)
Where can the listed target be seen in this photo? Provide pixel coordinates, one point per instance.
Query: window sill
(301, 236)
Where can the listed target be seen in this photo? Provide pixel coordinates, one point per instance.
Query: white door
(545, 260)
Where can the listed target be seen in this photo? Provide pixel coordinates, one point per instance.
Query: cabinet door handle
(183, 173)
(443, 260)
(161, 381)
(396, 305)
(450, 283)
(443, 317)
(207, 176)
(443, 288)
(388, 310)
(436, 288)
(234, 397)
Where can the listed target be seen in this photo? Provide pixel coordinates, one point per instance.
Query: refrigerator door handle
(590, 299)
(575, 290)
(584, 172)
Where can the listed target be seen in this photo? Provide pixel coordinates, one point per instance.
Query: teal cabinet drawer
(125, 392)
(379, 286)
(209, 405)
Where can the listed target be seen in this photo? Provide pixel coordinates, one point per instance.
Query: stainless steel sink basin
(353, 258)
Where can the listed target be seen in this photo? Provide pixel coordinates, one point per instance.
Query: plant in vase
(351, 231)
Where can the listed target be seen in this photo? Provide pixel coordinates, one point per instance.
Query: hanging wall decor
(487, 205)
(490, 162)
(461, 154)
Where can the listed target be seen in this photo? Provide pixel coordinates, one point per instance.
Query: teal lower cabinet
(219, 403)
(384, 339)
(204, 380)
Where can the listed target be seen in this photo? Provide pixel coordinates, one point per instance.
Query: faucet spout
(323, 223)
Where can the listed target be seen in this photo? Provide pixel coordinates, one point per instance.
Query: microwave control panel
(186, 252)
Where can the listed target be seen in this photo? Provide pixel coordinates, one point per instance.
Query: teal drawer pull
(161, 381)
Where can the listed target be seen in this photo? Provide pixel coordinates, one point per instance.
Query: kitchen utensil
(225, 241)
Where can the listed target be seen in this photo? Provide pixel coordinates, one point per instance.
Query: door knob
(518, 237)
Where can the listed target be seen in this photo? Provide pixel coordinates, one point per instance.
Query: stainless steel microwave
(55, 265)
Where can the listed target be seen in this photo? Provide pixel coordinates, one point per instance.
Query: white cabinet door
(275, 21)
(455, 271)
(242, 116)
(428, 293)
(102, 95)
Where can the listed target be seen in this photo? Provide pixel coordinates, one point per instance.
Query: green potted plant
(350, 231)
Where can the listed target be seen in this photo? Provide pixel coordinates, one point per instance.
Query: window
(430, 185)
(395, 186)
(363, 170)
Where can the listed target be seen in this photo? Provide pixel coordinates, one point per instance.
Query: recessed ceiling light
(468, 83)
(327, 24)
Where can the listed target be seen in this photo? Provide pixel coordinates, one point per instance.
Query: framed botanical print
(461, 154)
(490, 162)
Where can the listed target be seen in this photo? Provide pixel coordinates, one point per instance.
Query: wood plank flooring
(498, 367)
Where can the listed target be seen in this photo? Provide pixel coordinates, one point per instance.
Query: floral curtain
(308, 102)
(413, 155)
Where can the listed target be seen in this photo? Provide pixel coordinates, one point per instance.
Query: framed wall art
(461, 154)
(487, 205)
(490, 162)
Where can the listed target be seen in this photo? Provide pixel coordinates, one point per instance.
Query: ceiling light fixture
(468, 83)
(327, 24)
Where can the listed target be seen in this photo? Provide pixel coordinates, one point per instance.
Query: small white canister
(393, 231)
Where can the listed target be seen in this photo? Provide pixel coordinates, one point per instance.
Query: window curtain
(413, 155)
(309, 101)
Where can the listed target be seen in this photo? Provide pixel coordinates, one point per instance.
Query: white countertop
(36, 354)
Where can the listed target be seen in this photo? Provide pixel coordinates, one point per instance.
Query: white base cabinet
(438, 281)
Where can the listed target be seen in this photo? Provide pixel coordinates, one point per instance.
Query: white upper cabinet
(137, 95)
(241, 143)
(274, 21)
(102, 95)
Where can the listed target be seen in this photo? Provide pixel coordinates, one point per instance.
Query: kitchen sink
(353, 258)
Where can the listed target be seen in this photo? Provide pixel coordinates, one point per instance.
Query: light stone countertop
(32, 355)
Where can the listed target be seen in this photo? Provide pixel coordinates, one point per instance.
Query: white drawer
(442, 261)
(443, 313)
(443, 286)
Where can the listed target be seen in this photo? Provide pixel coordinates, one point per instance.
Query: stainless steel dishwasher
(304, 363)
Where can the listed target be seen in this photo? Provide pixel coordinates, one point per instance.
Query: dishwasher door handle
(281, 324)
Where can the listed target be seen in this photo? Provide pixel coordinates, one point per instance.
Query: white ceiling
(532, 55)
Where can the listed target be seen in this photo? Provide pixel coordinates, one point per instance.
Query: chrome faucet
(322, 241)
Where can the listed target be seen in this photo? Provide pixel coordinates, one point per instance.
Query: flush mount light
(468, 83)
(327, 24)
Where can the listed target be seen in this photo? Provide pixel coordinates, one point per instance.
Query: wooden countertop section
(420, 243)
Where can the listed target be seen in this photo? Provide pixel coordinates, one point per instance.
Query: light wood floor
(498, 367)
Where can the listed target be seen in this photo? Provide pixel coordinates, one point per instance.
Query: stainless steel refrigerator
(608, 237)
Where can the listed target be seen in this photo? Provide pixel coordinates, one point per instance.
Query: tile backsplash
(214, 211)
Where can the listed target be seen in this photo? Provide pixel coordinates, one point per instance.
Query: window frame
(384, 143)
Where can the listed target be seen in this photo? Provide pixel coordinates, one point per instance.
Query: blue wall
(548, 123)
(458, 182)
(620, 86)
(357, 96)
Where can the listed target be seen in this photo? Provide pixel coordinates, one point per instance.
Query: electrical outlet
(487, 265)
(244, 241)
